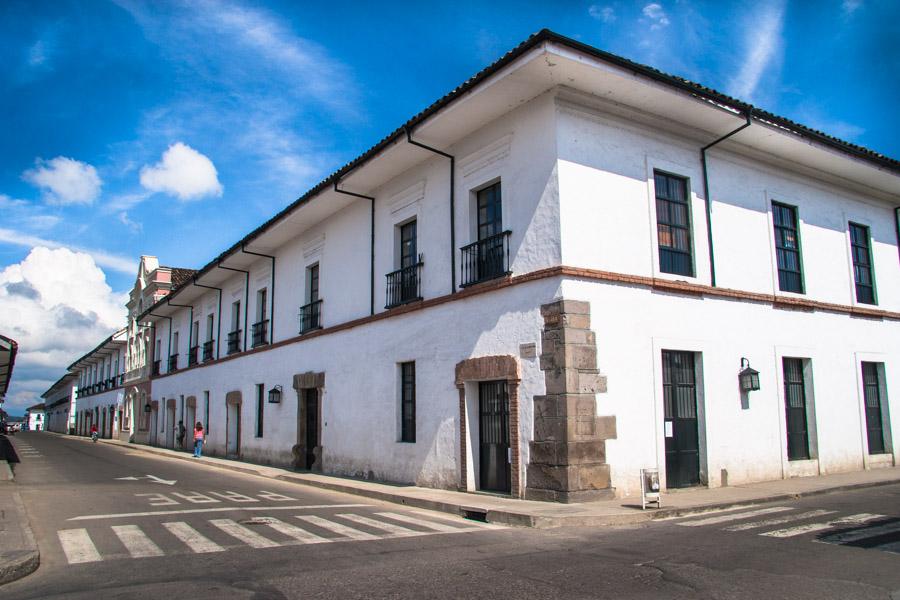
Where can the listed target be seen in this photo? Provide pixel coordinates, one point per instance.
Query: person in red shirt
(198, 439)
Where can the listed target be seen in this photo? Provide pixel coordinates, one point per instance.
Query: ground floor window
(872, 385)
(795, 404)
(260, 408)
(408, 402)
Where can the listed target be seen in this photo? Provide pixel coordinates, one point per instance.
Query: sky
(173, 129)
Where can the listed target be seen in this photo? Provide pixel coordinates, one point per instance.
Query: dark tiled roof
(180, 276)
(545, 35)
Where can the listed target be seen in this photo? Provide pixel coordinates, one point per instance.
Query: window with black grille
(795, 409)
(787, 248)
(408, 402)
(673, 225)
(872, 398)
(863, 277)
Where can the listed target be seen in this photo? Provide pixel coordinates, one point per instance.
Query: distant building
(35, 417)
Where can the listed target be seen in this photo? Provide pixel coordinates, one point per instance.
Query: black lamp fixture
(147, 407)
(275, 394)
(748, 377)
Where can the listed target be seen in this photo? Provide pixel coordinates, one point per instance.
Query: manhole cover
(258, 521)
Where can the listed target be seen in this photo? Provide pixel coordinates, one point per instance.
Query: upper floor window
(312, 283)
(863, 277)
(408, 241)
(490, 213)
(787, 248)
(673, 225)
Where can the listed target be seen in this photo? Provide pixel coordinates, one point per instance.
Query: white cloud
(117, 263)
(763, 45)
(607, 14)
(57, 305)
(37, 54)
(65, 180)
(132, 226)
(22, 214)
(851, 6)
(182, 172)
(657, 16)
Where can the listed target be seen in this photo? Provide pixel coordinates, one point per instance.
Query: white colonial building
(60, 403)
(100, 377)
(547, 281)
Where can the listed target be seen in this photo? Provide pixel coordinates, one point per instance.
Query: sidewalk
(525, 513)
(19, 554)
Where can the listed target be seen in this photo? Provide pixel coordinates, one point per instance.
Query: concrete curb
(16, 564)
(505, 516)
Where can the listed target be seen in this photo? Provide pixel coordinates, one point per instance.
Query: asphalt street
(118, 523)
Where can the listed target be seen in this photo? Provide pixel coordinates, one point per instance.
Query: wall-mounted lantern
(275, 394)
(147, 407)
(748, 377)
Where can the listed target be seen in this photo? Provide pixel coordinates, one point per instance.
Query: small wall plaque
(528, 350)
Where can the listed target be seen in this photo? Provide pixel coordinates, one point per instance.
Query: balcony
(234, 341)
(485, 259)
(311, 316)
(404, 285)
(260, 333)
(173, 363)
(192, 356)
(156, 366)
(208, 348)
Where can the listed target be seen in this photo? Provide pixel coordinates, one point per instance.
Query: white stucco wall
(360, 413)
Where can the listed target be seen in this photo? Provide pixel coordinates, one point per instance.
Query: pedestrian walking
(198, 439)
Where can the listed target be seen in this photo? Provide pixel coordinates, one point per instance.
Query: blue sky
(174, 128)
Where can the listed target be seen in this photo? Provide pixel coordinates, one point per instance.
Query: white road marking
(394, 530)
(421, 522)
(77, 545)
(735, 517)
(136, 541)
(301, 535)
(349, 532)
(860, 534)
(779, 520)
(457, 520)
(189, 511)
(245, 534)
(812, 527)
(194, 540)
(234, 496)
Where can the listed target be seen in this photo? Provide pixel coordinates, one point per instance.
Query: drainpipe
(272, 298)
(897, 223)
(246, 295)
(371, 243)
(452, 204)
(169, 346)
(709, 235)
(218, 315)
(190, 325)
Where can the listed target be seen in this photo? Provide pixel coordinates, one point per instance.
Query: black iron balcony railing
(173, 363)
(311, 316)
(234, 341)
(156, 366)
(485, 259)
(95, 388)
(121, 379)
(208, 347)
(404, 285)
(192, 356)
(261, 333)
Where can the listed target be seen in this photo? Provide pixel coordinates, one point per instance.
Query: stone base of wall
(568, 453)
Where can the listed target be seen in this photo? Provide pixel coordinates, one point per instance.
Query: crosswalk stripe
(77, 545)
(779, 520)
(735, 516)
(194, 540)
(813, 527)
(389, 527)
(420, 522)
(301, 535)
(350, 532)
(245, 534)
(136, 541)
(861, 534)
(457, 520)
